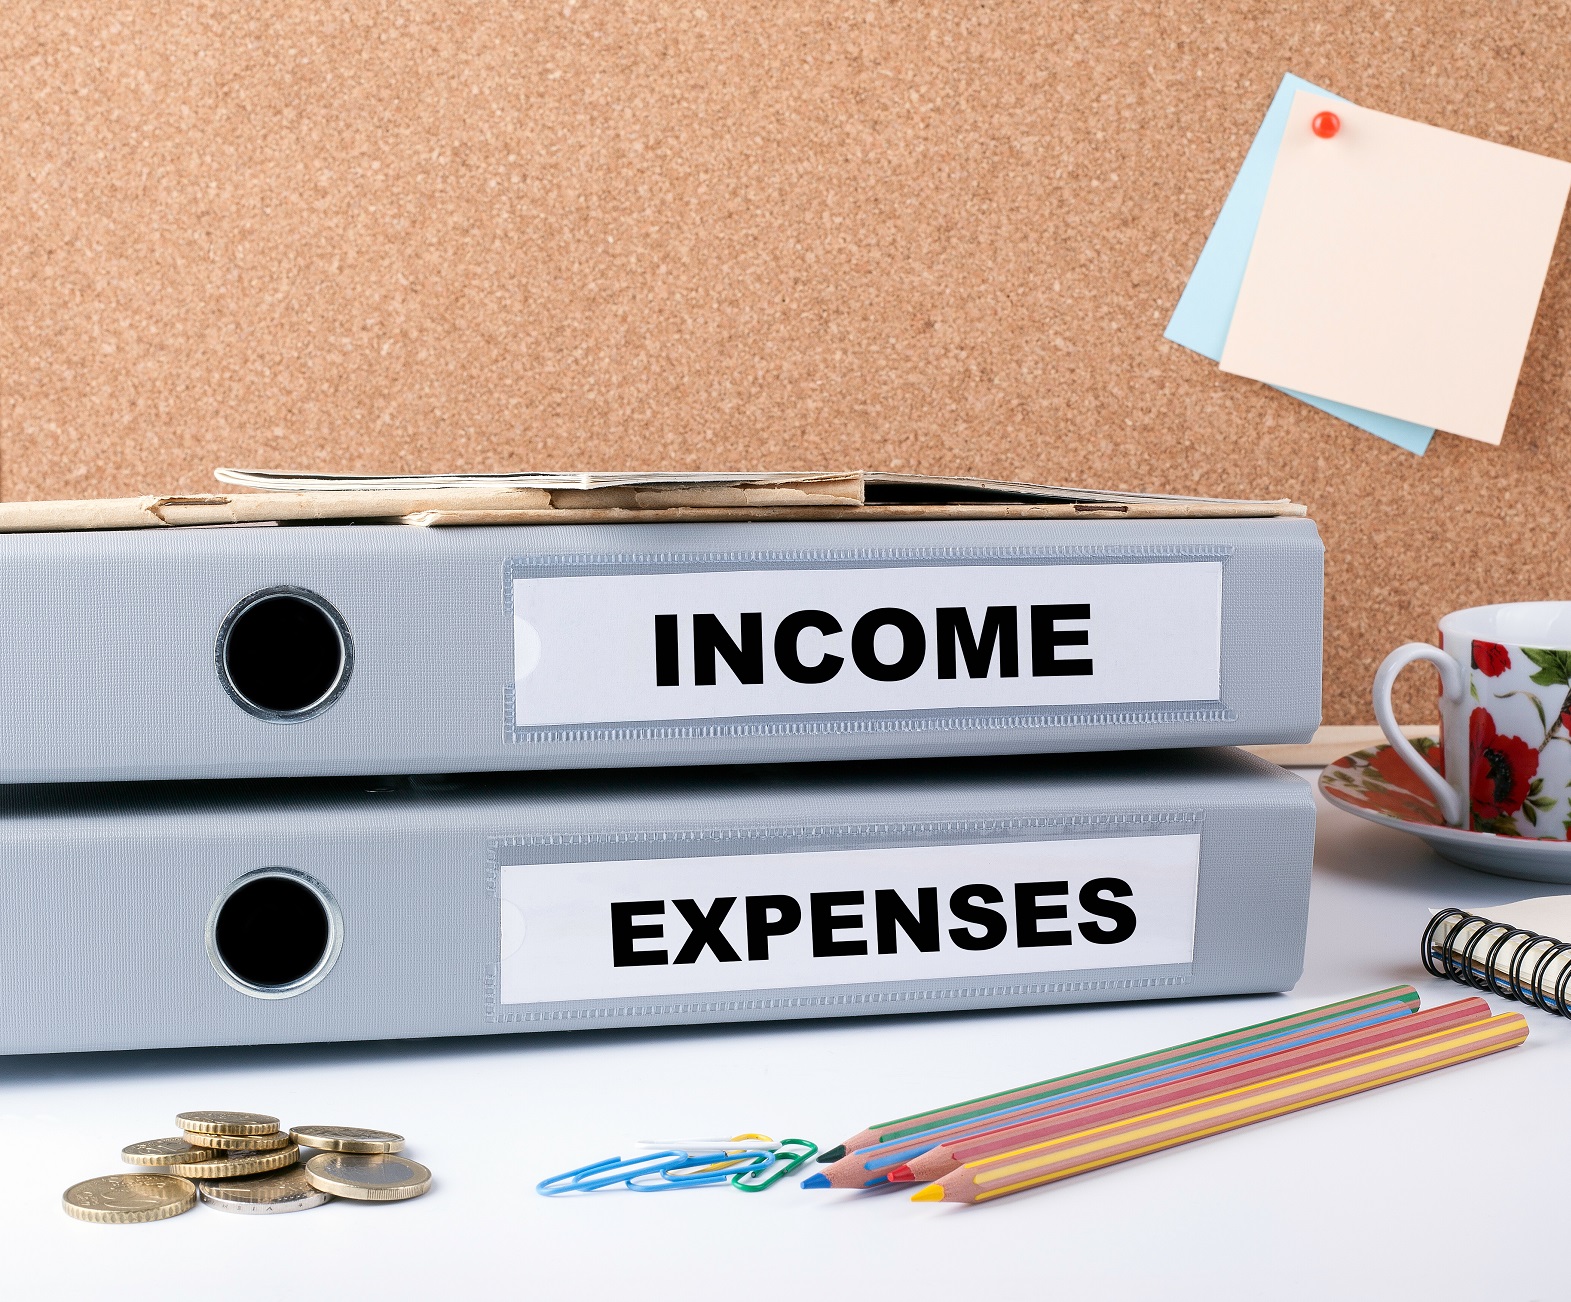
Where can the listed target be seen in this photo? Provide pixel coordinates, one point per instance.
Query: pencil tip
(833, 1154)
(932, 1193)
(818, 1180)
(901, 1174)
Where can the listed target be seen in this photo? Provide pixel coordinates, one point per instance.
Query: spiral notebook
(1519, 951)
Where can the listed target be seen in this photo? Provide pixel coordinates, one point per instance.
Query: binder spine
(380, 648)
(1511, 962)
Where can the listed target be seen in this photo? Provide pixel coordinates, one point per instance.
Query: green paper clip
(791, 1154)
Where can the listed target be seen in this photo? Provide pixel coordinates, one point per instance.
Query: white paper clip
(733, 1144)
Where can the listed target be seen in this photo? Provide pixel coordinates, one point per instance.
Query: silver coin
(267, 1194)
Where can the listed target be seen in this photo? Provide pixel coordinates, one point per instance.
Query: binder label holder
(912, 635)
(627, 928)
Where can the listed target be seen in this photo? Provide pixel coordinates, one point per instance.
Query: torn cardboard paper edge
(829, 487)
(613, 499)
(825, 485)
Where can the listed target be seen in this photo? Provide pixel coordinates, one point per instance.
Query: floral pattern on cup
(1519, 741)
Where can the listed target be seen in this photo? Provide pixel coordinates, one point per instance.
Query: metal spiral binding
(1467, 968)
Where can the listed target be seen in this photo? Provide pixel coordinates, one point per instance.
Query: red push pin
(1325, 125)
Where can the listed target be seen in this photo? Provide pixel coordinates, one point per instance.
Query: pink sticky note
(1397, 267)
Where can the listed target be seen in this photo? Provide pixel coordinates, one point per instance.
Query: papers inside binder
(621, 497)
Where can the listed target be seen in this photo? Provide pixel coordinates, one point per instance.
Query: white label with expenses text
(636, 927)
(620, 648)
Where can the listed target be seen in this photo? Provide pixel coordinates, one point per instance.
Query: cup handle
(1453, 691)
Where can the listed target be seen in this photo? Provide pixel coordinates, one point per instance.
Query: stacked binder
(738, 747)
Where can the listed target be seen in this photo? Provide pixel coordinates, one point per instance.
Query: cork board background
(761, 234)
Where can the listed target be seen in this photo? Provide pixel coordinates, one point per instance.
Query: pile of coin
(244, 1162)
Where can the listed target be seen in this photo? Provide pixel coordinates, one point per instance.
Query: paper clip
(680, 1176)
(785, 1163)
(715, 1145)
(739, 1145)
(614, 1170)
(736, 1144)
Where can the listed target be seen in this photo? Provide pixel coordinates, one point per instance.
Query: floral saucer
(1377, 784)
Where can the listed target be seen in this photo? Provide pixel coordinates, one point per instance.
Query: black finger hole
(273, 933)
(284, 654)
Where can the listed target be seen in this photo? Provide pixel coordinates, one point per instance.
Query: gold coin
(227, 1123)
(249, 1142)
(369, 1177)
(129, 1199)
(223, 1165)
(346, 1139)
(166, 1152)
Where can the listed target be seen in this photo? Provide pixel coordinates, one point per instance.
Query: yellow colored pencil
(1057, 1159)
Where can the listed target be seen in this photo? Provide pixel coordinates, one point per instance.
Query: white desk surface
(1437, 1187)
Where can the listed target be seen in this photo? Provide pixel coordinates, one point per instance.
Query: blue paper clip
(614, 1170)
(679, 1176)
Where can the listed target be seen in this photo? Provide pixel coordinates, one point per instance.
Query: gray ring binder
(109, 939)
(112, 672)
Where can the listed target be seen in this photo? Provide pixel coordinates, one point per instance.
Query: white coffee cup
(1505, 718)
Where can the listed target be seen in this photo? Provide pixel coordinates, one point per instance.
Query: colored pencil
(885, 1130)
(940, 1161)
(871, 1165)
(1151, 1132)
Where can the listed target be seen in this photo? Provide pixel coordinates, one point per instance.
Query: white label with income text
(622, 648)
(630, 928)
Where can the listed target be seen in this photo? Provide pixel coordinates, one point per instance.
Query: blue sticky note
(1205, 309)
